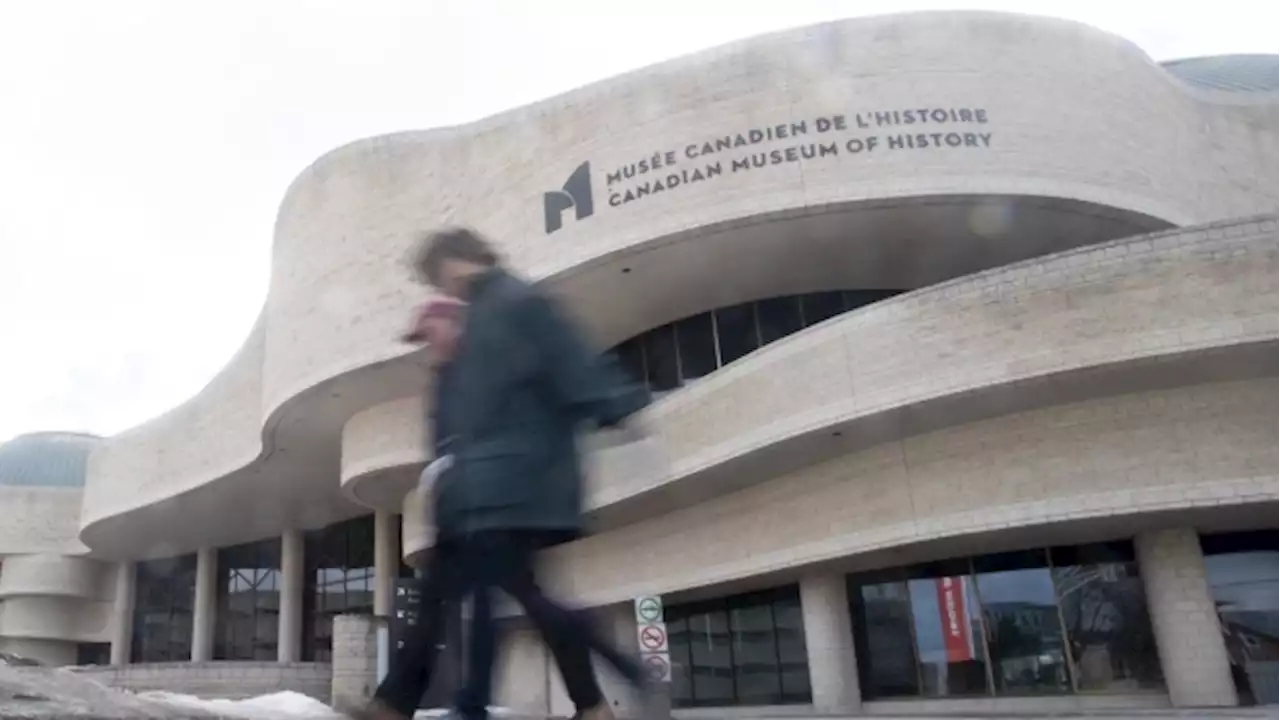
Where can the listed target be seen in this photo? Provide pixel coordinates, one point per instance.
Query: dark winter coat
(508, 409)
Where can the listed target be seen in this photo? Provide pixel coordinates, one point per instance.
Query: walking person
(438, 326)
(530, 384)
(519, 385)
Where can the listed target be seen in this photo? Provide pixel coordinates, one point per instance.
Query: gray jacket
(508, 409)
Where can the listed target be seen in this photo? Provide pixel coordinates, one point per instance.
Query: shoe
(374, 710)
(599, 712)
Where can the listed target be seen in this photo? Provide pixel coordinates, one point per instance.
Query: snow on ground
(280, 706)
(276, 706)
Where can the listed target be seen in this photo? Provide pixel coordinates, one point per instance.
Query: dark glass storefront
(741, 650)
(1044, 621)
(248, 600)
(339, 580)
(1241, 570)
(163, 609)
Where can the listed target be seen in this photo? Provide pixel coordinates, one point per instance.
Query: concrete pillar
(292, 583)
(122, 613)
(205, 612)
(355, 660)
(1193, 654)
(386, 562)
(828, 638)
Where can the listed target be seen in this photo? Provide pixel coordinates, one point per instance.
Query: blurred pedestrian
(528, 384)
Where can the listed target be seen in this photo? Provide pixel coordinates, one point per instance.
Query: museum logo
(808, 140)
(575, 195)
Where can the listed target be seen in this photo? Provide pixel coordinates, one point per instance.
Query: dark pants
(477, 564)
(569, 634)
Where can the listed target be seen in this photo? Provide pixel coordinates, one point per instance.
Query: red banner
(955, 619)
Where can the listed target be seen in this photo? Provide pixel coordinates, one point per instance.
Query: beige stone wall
(39, 520)
(1202, 446)
(1136, 299)
(48, 603)
(521, 682)
(1052, 175)
(355, 660)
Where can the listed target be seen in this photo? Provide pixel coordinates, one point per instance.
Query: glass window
(93, 654)
(793, 656)
(736, 332)
(779, 317)
(666, 357)
(1241, 571)
(946, 620)
(755, 654)
(885, 646)
(1024, 633)
(339, 577)
(817, 307)
(681, 665)
(660, 359)
(248, 601)
(1104, 611)
(162, 616)
(697, 347)
(741, 650)
(1000, 624)
(712, 658)
(854, 299)
(631, 358)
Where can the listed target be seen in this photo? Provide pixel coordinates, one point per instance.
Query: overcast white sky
(144, 147)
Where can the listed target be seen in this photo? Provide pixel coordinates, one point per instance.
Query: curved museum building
(964, 332)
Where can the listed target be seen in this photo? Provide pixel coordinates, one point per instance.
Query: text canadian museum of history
(821, 137)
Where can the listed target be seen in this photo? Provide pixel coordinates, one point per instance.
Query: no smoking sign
(652, 638)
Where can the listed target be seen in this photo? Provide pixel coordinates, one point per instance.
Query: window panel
(946, 621)
(162, 614)
(736, 332)
(712, 658)
(1069, 619)
(884, 640)
(696, 341)
(630, 356)
(681, 669)
(1024, 632)
(1104, 612)
(740, 650)
(1241, 571)
(339, 560)
(818, 307)
(757, 677)
(792, 654)
(779, 317)
(248, 601)
(660, 359)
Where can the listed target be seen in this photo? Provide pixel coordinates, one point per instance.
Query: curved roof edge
(1244, 73)
(578, 93)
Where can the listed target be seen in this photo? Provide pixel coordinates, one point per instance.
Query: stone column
(204, 615)
(386, 562)
(355, 660)
(1193, 654)
(292, 583)
(122, 611)
(828, 637)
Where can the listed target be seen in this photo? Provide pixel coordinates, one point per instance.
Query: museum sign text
(815, 139)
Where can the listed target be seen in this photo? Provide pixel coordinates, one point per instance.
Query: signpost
(651, 636)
